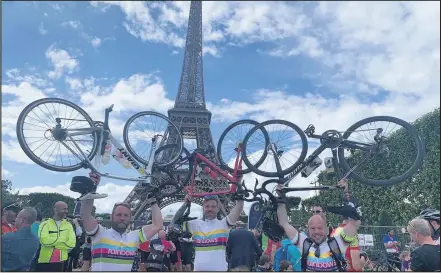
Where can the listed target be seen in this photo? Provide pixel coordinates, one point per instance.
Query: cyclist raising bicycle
(319, 253)
(432, 216)
(114, 249)
(210, 234)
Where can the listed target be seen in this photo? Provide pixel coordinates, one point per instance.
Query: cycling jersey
(112, 251)
(324, 262)
(210, 240)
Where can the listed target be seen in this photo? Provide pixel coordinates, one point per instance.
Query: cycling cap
(430, 214)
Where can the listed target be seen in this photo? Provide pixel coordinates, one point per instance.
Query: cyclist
(320, 253)
(210, 234)
(432, 216)
(114, 249)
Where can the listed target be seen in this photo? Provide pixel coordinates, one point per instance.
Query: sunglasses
(317, 211)
(210, 197)
(317, 251)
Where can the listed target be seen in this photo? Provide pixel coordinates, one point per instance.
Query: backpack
(280, 255)
(335, 251)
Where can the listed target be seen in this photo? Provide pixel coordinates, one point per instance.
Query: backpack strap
(336, 254)
(305, 252)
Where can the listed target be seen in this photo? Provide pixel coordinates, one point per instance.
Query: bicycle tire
(132, 151)
(287, 170)
(221, 139)
(31, 155)
(406, 175)
(170, 169)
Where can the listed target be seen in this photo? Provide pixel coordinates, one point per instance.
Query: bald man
(319, 256)
(57, 237)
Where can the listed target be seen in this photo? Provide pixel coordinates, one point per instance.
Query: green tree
(44, 202)
(384, 219)
(404, 200)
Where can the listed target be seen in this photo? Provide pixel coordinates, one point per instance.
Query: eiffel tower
(191, 116)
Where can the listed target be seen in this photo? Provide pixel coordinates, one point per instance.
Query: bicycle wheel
(164, 132)
(227, 146)
(280, 160)
(30, 127)
(392, 159)
(181, 167)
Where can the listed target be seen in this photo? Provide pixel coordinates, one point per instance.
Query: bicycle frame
(145, 172)
(233, 178)
(335, 162)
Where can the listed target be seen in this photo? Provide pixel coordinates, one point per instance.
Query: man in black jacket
(242, 248)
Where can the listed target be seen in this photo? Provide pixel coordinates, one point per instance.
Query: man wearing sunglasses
(114, 249)
(210, 235)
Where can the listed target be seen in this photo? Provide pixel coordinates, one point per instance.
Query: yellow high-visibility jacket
(55, 241)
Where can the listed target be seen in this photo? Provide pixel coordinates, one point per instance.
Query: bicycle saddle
(345, 211)
(82, 185)
(272, 230)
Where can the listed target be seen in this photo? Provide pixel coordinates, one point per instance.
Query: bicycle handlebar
(243, 193)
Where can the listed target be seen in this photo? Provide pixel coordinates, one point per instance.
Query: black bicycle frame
(335, 162)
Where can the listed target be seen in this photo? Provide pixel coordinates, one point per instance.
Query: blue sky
(330, 64)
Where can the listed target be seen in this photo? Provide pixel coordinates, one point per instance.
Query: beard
(119, 226)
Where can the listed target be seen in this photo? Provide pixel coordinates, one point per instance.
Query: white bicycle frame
(146, 173)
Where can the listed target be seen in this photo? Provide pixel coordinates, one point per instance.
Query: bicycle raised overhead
(230, 156)
(62, 133)
(376, 150)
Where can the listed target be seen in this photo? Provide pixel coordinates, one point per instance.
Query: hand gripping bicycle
(196, 165)
(375, 146)
(70, 142)
(268, 224)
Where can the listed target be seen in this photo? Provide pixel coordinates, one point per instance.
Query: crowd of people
(30, 243)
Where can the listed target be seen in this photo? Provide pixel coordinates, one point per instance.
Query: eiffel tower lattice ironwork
(190, 115)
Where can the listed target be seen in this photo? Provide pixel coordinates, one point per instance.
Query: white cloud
(96, 42)
(6, 174)
(42, 30)
(74, 83)
(12, 151)
(35, 79)
(72, 24)
(61, 61)
(136, 93)
(242, 22)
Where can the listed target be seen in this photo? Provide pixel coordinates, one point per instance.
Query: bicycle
(384, 263)
(54, 129)
(230, 167)
(378, 144)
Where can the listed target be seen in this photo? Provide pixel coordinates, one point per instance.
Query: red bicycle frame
(211, 167)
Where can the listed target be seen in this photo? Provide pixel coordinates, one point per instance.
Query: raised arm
(89, 222)
(181, 210)
(157, 223)
(290, 231)
(234, 214)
